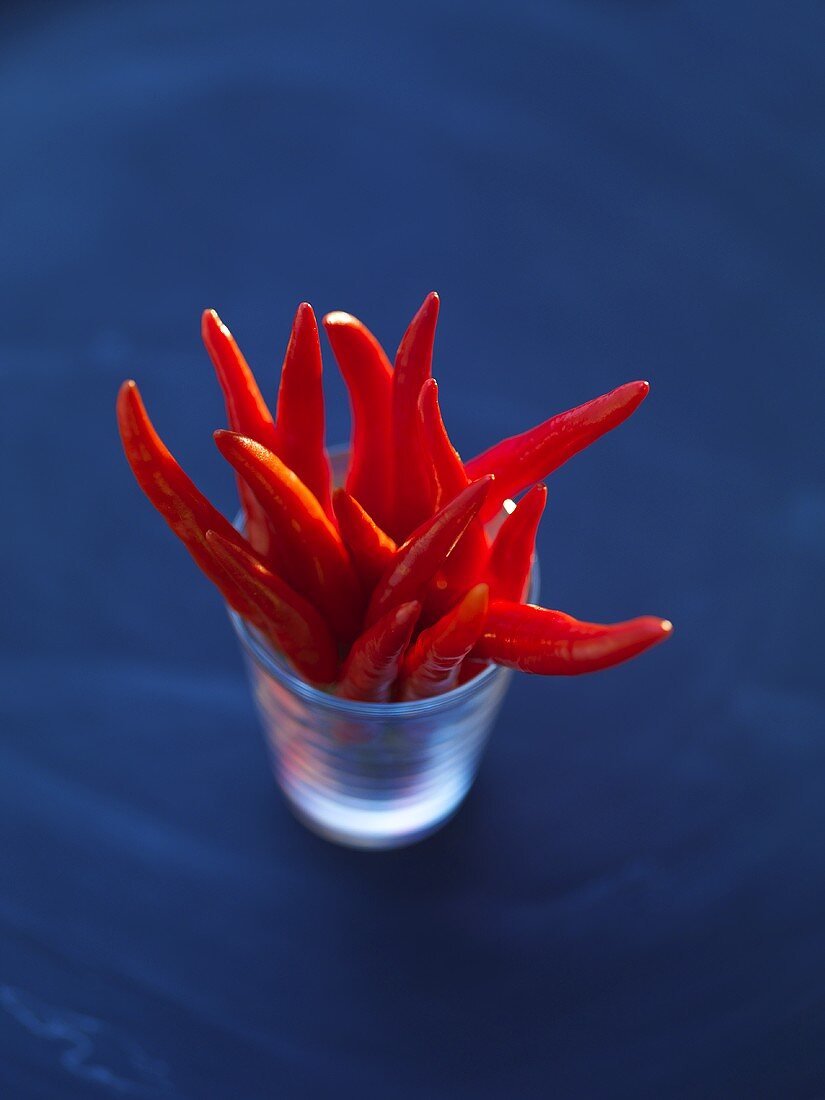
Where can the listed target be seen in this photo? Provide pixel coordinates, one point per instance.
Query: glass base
(371, 827)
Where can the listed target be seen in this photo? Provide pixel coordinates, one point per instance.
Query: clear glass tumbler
(370, 775)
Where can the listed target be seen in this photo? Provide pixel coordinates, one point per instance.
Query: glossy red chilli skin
(247, 413)
(290, 622)
(433, 664)
(447, 469)
(370, 549)
(424, 552)
(511, 556)
(246, 409)
(315, 561)
(413, 481)
(186, 510)
(299, 417)
(372, 665)
(394, 573)
(368, 377)
(463, 568)
(551, 643)
(524, 459)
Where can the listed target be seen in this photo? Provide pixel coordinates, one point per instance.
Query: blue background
(631, 902)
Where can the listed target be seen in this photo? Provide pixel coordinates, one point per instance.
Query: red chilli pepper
(315, 560)
(245, 407)
(368, 377)
(433, 664)
(290, 621)
(447, 467)
(182, 505)
(413, 489)
(511, 555)
(417, 560)
(464, 566)
(370, 549)
(246, 411)
(372, 666)
(299, 420)
(524, 459)
(550, 643)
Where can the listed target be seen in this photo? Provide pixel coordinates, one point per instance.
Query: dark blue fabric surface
(631, 903)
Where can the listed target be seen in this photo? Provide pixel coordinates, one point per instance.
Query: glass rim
(276, 666)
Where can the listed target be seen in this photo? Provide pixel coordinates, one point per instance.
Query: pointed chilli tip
(535, 496)
(480, 492)
(305, 317)
(232, 444)
(482, 485)
(227, 433)
(211, 324)
(218, 545)
(130, 405)
(337, 319)
(128, 398)
(428, 395)
(475, 602)
(406, 611)
(477, 491)
(229, 443)
(652, 628)
(431, 305)
(427, 312)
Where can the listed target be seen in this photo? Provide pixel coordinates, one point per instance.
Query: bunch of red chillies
(391, 588)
